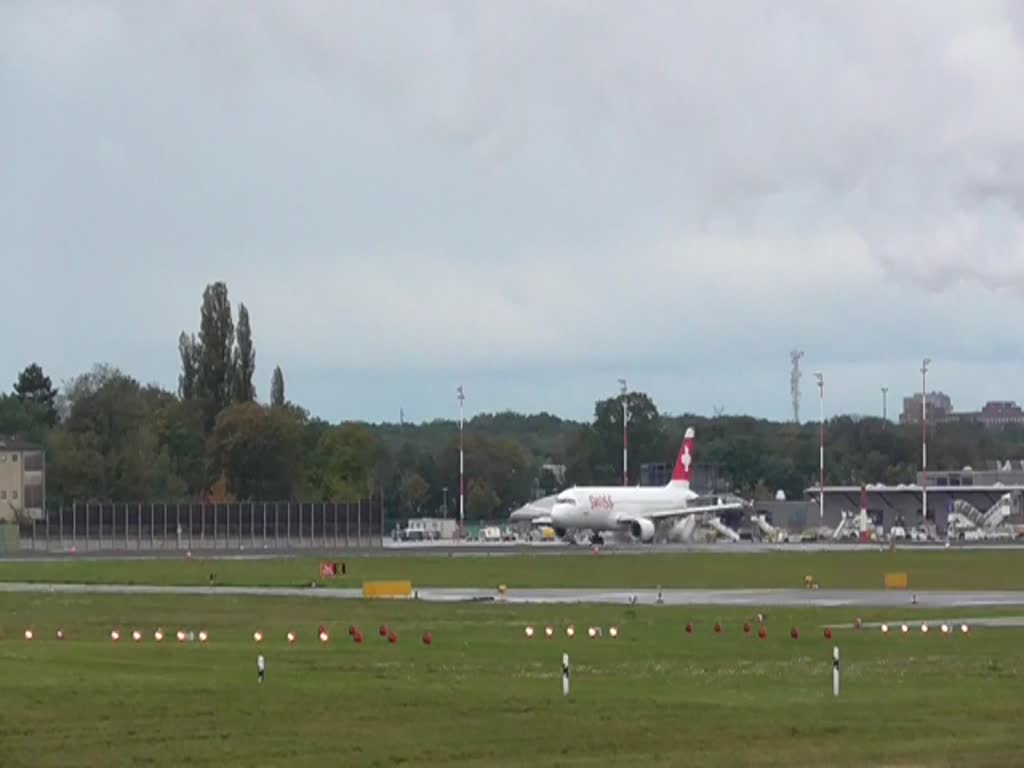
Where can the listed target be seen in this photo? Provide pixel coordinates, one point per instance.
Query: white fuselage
(599, 508)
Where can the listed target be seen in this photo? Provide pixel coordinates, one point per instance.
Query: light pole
(924, 440)
(625, 434)
(885, 404)
(444, 490)
(821, 445)
(462, 466)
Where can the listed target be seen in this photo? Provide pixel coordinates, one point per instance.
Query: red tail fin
(681, 474)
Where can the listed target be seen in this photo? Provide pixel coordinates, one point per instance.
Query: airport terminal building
(969, 492)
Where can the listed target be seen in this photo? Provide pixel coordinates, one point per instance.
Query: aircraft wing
(670, 512)
(541, 520)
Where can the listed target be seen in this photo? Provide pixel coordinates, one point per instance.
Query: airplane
(635, 510)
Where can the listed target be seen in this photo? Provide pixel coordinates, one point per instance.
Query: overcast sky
(534, 198)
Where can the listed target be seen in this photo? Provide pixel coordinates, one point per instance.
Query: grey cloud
(588, 182)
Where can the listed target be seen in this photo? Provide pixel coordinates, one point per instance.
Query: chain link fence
(147, 526)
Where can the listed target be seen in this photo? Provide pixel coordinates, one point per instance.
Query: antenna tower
(794, 382)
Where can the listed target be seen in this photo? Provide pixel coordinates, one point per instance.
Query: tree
(258, 450)
(26, 419)
(481, 501)
(277, 387)
(109, 446)
(244, 359)
(547, 482)
(344, 462)
(214, 374)
(503, 465)
(35, 386)
(178, 425)
(414, 492)
(188, 351)
(646, 437)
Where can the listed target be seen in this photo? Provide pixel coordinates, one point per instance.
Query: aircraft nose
(558, 514)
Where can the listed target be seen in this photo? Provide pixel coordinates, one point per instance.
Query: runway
(669, 597)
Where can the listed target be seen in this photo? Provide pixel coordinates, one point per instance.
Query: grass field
(484, 695)
(950, 569)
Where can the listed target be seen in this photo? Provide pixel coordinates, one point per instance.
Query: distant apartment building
(22, 480)
(939, 406)
(995, 414)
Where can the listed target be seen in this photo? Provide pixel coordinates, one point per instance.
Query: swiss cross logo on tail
(682, 471)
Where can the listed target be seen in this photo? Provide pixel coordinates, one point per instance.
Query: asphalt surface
(674, 597)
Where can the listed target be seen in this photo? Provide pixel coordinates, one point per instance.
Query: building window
(33, 496)
(14, 495)
(14, 458)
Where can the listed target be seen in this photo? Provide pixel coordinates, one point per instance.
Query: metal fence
(237, 526)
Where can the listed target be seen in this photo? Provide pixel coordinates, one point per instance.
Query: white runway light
(924, 628)
(203, 637)
(885, 629)
(613, 631)
(904, 629)
(570, 630)
(181, 636)
(529, 631)
(28, 634)
(963, 628)
(291, 637)
(323, 637)
(945, 629)
(591, 632)
(115, 635)
(136, 636)
(257, 636)
(549, 631)
(158, 636)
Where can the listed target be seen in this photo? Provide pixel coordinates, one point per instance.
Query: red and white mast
(821, 446)
(924, 441)
(625, 434)
(462, 466)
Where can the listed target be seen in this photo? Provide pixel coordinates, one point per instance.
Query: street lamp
(625, 434)
(924, 440)
(821, 445)
(444, 490)
(885, 404)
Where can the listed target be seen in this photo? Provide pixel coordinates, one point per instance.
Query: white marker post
(565, 674)
(835, 671)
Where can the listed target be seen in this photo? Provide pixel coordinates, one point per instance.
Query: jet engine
(560, 532)
(642, 529)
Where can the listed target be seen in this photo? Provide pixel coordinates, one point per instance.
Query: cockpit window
(566, 500)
